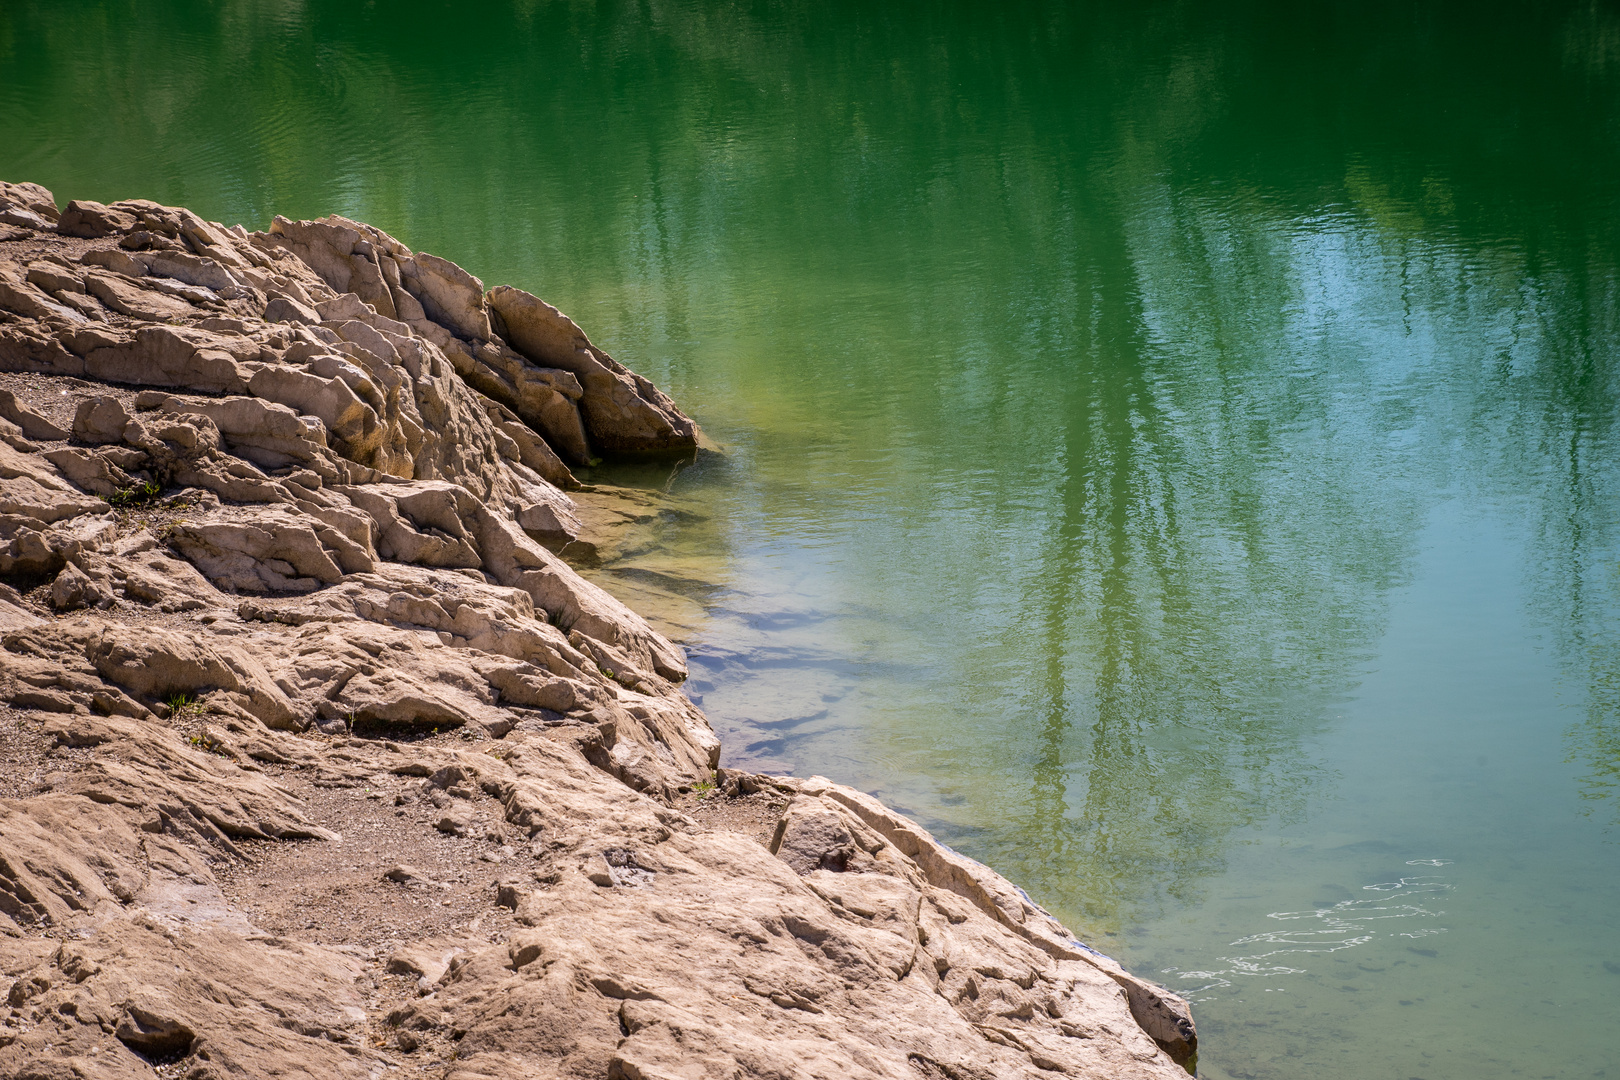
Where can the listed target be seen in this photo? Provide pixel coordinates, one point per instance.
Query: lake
(1170, 449)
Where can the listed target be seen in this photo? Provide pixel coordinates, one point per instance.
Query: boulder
(74, 589)
(100, 420)
(813, 836)
(284, 309)
(28, 205)
(624, 414)
(92, 220)
(449, 295)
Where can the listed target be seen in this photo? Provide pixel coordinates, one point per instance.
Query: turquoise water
(1171, 451)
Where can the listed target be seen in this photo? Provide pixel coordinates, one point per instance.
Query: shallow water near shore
(1172, 453)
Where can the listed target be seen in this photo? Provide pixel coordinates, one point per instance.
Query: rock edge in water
(319, 761)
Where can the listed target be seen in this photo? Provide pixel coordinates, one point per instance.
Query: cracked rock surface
(317, 760)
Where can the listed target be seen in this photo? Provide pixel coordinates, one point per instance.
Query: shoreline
(324, 479)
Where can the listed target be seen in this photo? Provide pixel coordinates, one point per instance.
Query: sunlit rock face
(324, 762)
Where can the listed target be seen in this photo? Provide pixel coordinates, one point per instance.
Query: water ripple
(1345, 925)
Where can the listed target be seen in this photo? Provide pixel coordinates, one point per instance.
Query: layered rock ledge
(317, 760)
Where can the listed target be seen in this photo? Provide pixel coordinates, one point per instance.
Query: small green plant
(702, 788)
(137, 495)
(181, 702)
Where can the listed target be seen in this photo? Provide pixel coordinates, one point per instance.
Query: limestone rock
(428, 960)
(248, 1006)
(33, 489)
(293, 554)
(86, 218)
(27, 205)
(532, 450)
(62, 854)
(167, 356)
(136, 302)
(32, 423)
(285, 309)
(24, 298)
(73, 589)
(100, 420)
(449, 295)
(115, 260)
(812, 836)
(624, 413)
(55, 277)
(545, 399)
(274, 553)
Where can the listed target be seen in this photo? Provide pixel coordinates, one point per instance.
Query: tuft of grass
(702, 788)
(138, 495)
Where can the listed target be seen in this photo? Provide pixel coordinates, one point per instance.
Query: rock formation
(317, 761)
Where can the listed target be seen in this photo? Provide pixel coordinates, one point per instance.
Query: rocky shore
(318, 760)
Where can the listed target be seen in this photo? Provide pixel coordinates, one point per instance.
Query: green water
(1173, 446)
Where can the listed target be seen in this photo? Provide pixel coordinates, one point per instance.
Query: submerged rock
(282, 626)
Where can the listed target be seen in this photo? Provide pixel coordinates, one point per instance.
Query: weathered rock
(544, 399)
(272, 553)
(74, 589)
(34, 489)
(27, 205)
(100, 420)
(167, 356)
(409, 875)
(532, 450)
(23, 298)
(428, 960)
(242, 1006)
(127, 299)
(450, 296)
(32, 423)
(624, 413)
(812, 836)
(89, 219)
(115, 260)
(63, 854)
(318, 572)
(54, 277)
(285, 309)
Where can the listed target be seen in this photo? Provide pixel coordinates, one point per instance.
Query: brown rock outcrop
(623, 412)
(324, 761)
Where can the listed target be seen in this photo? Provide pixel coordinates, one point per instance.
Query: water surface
(1172, 452)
